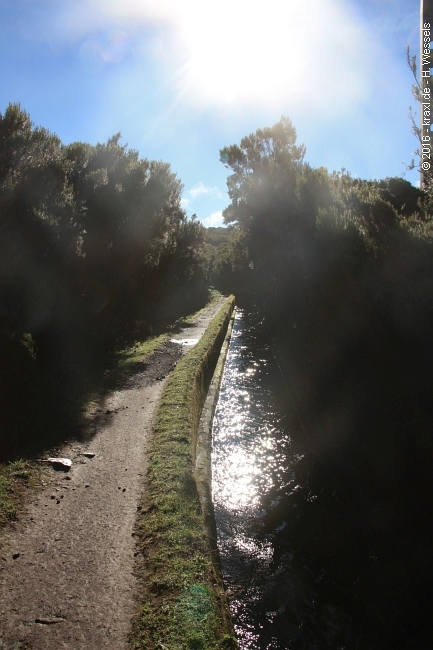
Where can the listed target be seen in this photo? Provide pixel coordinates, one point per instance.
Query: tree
(38, 228)
(264, 164)
(262, 189)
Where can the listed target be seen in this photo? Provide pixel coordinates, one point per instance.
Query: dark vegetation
(95, 254)
(342, 271)
(217, 237)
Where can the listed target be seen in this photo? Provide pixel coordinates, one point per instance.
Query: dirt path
(67, 567)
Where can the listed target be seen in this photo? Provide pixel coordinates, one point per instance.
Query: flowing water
(295, 558)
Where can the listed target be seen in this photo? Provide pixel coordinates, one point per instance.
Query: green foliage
(264, 179)
(298, 228)
(231, 266)
(14, 478)
(217, 236)
(95, 253)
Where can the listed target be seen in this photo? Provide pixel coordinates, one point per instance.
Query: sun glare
(231, 51)
(239, 49)
(242, 51)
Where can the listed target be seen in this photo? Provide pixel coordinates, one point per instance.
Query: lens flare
(232, 51)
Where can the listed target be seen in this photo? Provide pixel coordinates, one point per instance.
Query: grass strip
(15, 479)
(183, 604)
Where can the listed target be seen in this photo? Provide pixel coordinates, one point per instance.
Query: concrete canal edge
(203, 450)
(202, 461)
(183, 602)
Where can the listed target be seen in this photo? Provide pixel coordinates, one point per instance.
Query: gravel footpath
(67, 566)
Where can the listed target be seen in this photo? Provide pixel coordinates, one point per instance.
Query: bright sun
(235, 51)
(240, 50)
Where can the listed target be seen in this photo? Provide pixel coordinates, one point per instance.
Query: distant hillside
(217, 236)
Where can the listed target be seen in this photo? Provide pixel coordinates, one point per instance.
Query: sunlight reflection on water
(251, 462)
(298, 566)
(244, 439)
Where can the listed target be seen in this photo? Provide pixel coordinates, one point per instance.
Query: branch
(411, 61)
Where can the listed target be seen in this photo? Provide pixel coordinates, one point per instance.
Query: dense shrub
(95, 252)
(341, 270)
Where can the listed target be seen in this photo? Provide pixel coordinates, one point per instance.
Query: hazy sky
(180, 79)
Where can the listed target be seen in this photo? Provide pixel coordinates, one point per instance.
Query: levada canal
(301, 569)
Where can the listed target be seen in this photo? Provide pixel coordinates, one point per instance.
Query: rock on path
(67, 567)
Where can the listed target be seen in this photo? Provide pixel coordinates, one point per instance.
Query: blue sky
(180, 79)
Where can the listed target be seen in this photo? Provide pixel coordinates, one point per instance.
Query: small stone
(87, 485)
(124, 490)
(49, 621)
(15, 556)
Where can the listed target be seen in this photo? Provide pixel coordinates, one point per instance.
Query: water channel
(300, 569)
